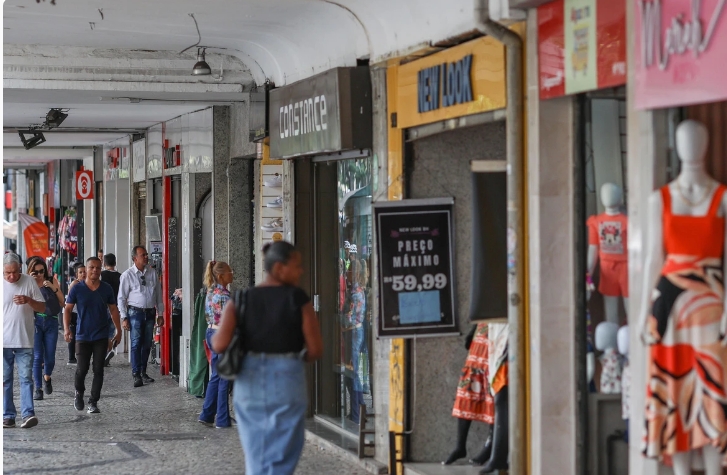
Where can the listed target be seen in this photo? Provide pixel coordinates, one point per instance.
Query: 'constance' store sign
(681, 54)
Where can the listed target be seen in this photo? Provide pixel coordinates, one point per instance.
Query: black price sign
(415, 249)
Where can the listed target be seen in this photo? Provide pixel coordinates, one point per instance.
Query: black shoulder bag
(230, 362)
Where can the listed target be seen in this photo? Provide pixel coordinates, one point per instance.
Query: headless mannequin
(612, 199)
(463, 428)
(606, 341)
(623, 348)
(693, 184)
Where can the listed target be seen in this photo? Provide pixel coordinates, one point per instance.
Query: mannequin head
(611, 195)
(692, 139)
(623, 340)
(606, 336)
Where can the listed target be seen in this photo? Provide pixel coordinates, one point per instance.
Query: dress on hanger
(474, 401)
(685, 391)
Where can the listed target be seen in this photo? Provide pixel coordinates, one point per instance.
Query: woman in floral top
(217, 276)
(359, 351)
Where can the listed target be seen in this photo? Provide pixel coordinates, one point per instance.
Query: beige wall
(551, 264)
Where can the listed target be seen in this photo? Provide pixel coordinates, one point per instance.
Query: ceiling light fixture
(201, 68)
(37, 138)
(54, 118)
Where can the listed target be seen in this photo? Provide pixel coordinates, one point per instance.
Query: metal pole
(515, 314)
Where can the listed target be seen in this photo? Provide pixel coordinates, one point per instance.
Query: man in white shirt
(140, 301)
(21, 299)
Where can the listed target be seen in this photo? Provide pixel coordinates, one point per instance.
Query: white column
(89, 216)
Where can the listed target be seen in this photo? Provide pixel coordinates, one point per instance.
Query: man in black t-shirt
(113, 278)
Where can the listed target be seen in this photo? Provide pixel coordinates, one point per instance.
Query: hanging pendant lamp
(201, 68)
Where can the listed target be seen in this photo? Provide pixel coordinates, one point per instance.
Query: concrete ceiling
(80, 54)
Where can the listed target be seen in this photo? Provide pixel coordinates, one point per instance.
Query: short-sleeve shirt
(217, 297)
(19, 320)
(609, 233)
(92, 310)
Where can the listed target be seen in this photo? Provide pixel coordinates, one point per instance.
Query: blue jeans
(44, 349)
(270, 403)
(24, 358)
(142, 336)
(215, 398)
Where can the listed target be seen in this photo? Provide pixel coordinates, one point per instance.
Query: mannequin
(473, 401)
(498, 376)
(685, 264)
(607, 238)
(623, 348)
(606, 341)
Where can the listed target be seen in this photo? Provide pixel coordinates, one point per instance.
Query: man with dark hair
(94, 300)
(79, 271)
(112, 277)
(140, 300)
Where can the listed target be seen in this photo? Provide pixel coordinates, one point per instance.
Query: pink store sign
(682, 52)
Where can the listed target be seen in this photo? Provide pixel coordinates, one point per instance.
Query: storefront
(679, 111)
(447, 140)
(321, 200)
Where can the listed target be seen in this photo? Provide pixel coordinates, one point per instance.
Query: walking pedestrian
(140, 300)
(21, 298)
(280, 331)
(46, 328)
(93, 300)
(80, 272)
(113, 278)
(217, 276)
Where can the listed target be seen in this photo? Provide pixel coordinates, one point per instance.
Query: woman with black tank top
(281, 333)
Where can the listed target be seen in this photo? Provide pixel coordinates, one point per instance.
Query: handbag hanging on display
(230, 362)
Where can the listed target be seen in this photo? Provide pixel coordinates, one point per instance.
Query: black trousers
(84, 351)
(72, 343)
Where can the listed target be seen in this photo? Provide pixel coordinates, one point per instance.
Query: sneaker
(276, 203)
(10, 423)
(92, 408)
(138, 382)
(78, 402)
(275, 181)
(28, 422)
(38, 394)
(275, 225)
(110, 355)
(72, 362)
(146, 378)
(47, 386)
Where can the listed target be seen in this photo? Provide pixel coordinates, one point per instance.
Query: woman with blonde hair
(217, 276)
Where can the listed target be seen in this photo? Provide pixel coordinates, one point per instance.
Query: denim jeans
(24, 358)
(270, 403)
(44, 349)
(217, 394)
(142, 336)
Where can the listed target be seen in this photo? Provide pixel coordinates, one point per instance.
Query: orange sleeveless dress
(474, 401)
(686, 397)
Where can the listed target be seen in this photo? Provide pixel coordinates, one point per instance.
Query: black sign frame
(415, 252)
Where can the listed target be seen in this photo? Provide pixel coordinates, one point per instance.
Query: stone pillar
(381, 351)
(220, 164)
(551, 264)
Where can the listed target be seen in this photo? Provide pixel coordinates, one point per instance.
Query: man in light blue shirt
(140, 301)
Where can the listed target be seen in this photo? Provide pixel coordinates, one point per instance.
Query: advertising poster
(580, 46)
(415, 247)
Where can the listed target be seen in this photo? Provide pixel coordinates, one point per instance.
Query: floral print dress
(474, 401)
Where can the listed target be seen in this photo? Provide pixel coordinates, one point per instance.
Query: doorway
(334, 233)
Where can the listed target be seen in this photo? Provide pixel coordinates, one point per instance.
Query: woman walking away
(280, 331)
(46, 327)
(217, 276)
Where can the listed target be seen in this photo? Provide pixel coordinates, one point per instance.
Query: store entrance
(335, 237)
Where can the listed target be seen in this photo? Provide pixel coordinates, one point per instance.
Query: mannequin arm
(654, 245)
(723, 325)
(592, 258)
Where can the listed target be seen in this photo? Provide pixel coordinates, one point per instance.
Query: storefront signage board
(681, 52)
(327, 113)
(581, 46)
(415, 247)
(462, 80)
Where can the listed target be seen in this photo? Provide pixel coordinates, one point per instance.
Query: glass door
(342, 254)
